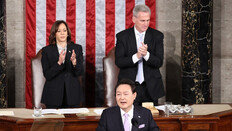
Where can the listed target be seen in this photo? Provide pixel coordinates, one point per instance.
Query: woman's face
(62, 33)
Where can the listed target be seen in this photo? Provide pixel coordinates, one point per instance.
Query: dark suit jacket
(111, 120)
(126, 47)
(60, 77)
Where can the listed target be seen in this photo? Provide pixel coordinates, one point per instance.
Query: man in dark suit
(126, 116)
(139, 55)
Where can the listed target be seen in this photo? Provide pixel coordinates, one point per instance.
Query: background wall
(15, 23)
(168, 21)
(222, 51)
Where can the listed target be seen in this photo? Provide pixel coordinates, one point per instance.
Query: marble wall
(3, 68)
(197, 25)
(169, 20)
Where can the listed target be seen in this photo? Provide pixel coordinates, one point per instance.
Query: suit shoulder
(156, 32)
(124, 32)
(142, 109)
(48, 47)
(110, 110)
(73, 45)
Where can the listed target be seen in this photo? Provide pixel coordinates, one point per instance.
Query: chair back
(38, 79)
(110, 71)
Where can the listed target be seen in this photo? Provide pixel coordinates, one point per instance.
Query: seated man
(126, 116)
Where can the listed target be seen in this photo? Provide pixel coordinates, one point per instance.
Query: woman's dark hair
(127, 82)
(54, 29)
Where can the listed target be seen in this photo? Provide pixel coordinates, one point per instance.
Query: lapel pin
(69, 51)
(138, 116)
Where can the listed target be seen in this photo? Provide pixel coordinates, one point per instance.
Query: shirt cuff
(135, 58)
(146, 57)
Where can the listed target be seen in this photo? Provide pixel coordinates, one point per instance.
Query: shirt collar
(61, 48)
(130, 112)
(138, 33)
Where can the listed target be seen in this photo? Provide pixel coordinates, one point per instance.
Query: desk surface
(210, 117)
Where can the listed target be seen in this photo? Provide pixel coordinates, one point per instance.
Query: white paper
(50, 111)
(73, 111)
(65, 111)
(162, 107)
(6, 113)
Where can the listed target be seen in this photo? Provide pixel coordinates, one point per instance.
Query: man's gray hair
(140, 8)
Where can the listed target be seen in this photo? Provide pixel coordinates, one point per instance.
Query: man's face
(125, 97)
(141, 21)
(62, 33)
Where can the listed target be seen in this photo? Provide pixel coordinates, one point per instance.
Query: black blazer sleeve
(78, 69)
(125, 49)
(152, 125)
(156, 49)
(50, 66)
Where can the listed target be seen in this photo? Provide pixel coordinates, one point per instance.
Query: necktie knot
(140, 37)
(126, 115)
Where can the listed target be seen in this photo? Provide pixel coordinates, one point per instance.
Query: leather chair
(38, 79)
(110, 71)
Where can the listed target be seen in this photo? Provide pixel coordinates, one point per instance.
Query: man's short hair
(127, 82)
(140, 8)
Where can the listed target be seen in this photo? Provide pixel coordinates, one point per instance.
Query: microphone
(134, 122)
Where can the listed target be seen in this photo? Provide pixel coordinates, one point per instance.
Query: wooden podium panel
(220, 121)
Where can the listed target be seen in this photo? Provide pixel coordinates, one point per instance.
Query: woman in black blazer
(62, 63)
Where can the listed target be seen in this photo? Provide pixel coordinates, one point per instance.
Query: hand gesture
(73, 58)
(139, 55)
(143, 49)
(61, 57)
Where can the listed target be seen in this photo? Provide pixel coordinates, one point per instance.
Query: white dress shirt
(134, 57)
(139, 38)
(61, 48)
(130, 113)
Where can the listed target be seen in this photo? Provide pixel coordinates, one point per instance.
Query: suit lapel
(137, 116)
(132, 39)
(118, 119)
(69, 52)
(55, 51)
(148, 37)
